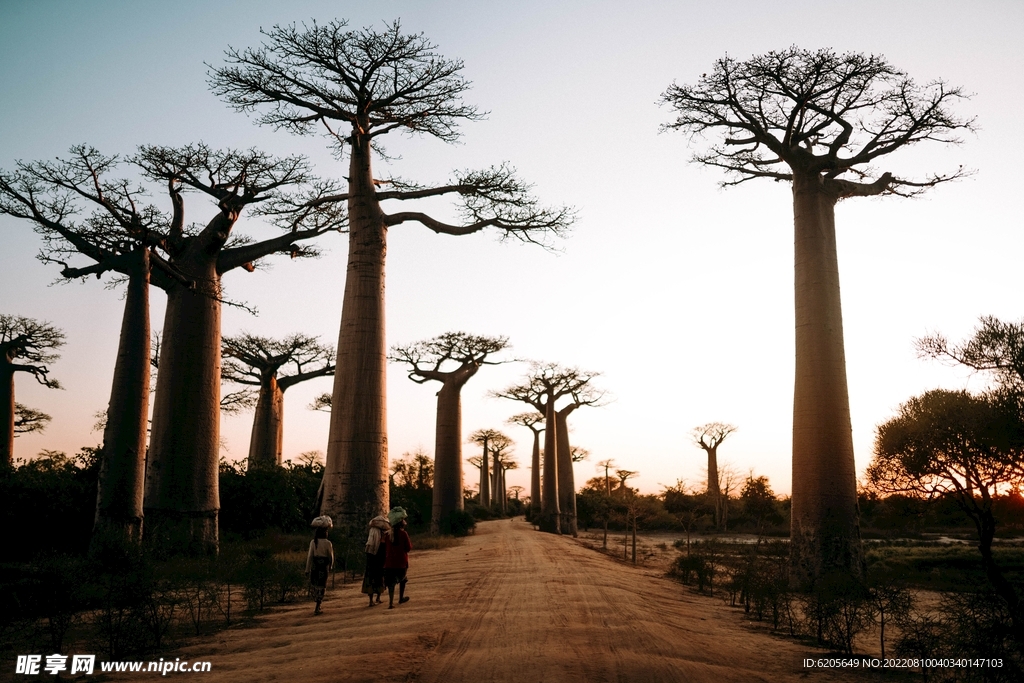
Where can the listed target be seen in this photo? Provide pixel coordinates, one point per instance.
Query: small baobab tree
(487, 439)
(29, 346)
(543, 386)
(819, 121)
(516, 490)
(361, 85)
(502, 460)
(451, 359)
(532, 421)
(274, 366)
(709, 437)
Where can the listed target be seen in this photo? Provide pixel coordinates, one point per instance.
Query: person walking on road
(319, 560)
(397, 545)
(373, 577)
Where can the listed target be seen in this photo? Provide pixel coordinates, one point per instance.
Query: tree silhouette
(969, 448)
(818, 120)
(451, 359)
(582, 395)
(181, 497)
(709, 437)
(531, 422)
(28, 420)
(26, 345)
(260, 361)
(502, 459)
(361, 85)
(996, 348)
(544, 385)
(485, 438)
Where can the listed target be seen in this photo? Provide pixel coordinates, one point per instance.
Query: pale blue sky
(681, 293)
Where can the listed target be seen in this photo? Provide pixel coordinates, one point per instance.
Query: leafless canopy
(437, 358)
(816, 112)
(996, 347)
(528, 420)
(712, 434)
(578, 453)
(27, 420)
(373, 83)
(250, 358)
(32, 342)
(552, 380)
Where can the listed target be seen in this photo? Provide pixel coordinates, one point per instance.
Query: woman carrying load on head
(373, 577)
(396, 560)
(319, 560)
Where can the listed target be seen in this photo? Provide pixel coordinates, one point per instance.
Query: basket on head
(322, 522)
(396, 515)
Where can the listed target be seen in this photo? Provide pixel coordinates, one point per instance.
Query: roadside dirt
(511, 604)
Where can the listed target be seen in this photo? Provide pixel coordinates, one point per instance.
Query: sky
(679, 292)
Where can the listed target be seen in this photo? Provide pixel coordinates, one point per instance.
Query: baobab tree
(709, 437)
(502, 460)
(818, 120)
(487, 439)
(531, 422)
(451, 359)
(261, 362)
(361, 85)
(119, 235)
(26, 345)
(28, 420)
(544, 385)
(582, 395)
(181, 498)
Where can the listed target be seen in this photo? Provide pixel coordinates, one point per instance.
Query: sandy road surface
(510, 604)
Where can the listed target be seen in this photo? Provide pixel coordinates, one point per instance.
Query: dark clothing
(373, 577)
(318, 577)
(397, 549)
(394, 576)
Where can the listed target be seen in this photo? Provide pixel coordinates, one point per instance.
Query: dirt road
(510, 604)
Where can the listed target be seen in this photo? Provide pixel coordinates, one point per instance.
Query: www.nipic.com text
(31, 665)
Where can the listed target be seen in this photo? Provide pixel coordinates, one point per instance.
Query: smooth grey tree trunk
(119, 496)
(355, 485)
(825, 529)
(447, 454)
(182, 497)
(566, 478)
(549, 519)
(267, 440)
(535, 474)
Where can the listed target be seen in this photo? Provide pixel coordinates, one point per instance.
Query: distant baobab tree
(452, 359)
(502, 460)
(544, 385)
(516, 490)
(819, 121)
(623, 476)
(274, 366)
(361, 85)
(26, 345)
(181, 498)
(709, 437)
(487, 439)
(28, 420)
(531, 422)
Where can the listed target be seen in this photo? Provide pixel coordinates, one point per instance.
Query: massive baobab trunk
(266, 442)
(447, 455)
(182, 497)
(549, 514)
(7, 408)
(566, 478)
(535, 494)
(119, 510)
(825, 534)
(356, 476)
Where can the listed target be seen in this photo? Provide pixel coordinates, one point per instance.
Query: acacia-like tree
(26, 345)
(28, 420)
(360, 85)
(709, 437)
(262, 362)
(966, 447)
(181, 498)
(119, 234)
(452, 359)
(532, 421)
(996, 348)
(817, 120)
(545, 384)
